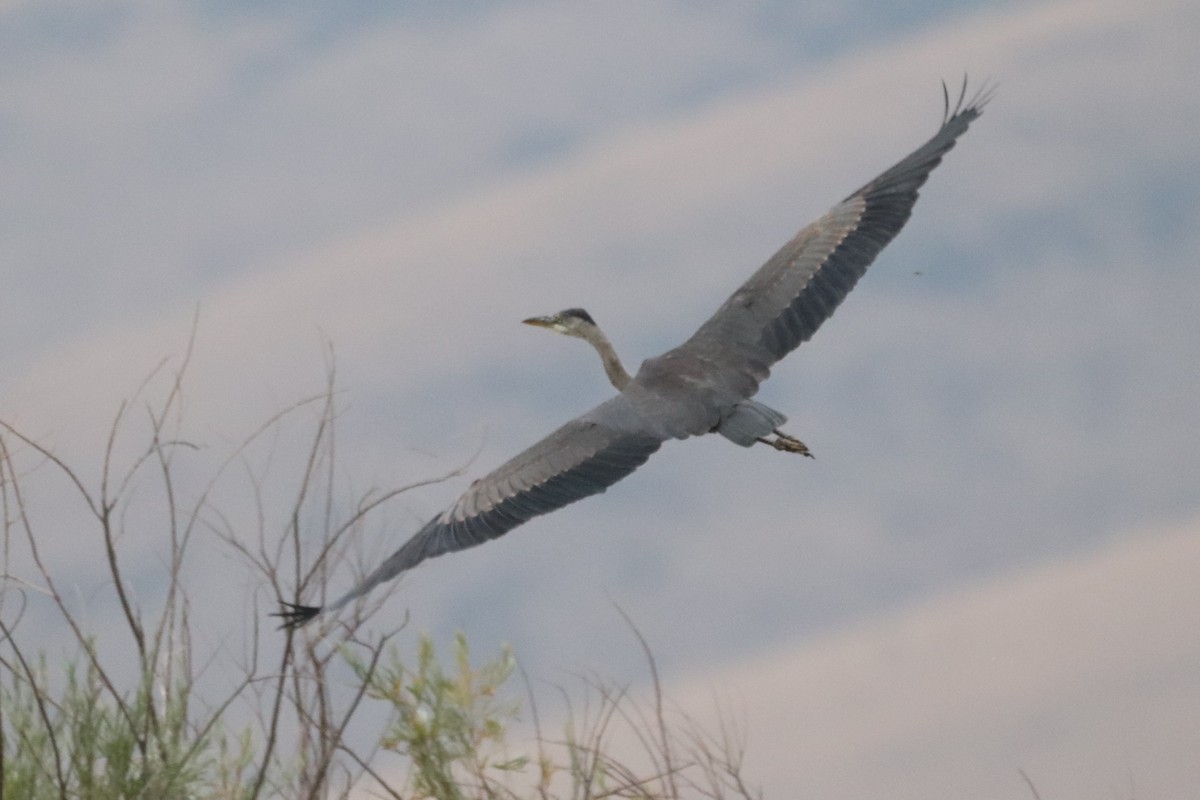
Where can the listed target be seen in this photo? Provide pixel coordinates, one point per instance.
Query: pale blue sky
(1011, 387)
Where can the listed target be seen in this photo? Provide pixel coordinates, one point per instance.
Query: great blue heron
(702, 386)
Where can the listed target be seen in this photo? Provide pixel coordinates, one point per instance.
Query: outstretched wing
(788, 298)
(582, 458)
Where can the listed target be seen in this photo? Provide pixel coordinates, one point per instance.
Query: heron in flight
(703, 386)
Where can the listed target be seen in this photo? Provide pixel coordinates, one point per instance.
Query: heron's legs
(787, 444)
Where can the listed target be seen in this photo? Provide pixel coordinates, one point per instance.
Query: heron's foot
(788, 444)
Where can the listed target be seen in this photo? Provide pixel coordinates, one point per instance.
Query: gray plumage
(702, 386)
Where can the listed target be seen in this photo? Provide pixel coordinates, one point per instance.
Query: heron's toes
(788, 444)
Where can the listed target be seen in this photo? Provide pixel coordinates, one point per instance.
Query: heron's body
(703, 386)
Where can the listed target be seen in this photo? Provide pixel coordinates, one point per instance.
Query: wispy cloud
(1081, 673)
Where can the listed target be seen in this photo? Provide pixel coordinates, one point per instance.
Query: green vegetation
(169, 711)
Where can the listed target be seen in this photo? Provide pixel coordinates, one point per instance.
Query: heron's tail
(749, 421)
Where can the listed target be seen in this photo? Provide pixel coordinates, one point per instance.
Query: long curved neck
(612, 365)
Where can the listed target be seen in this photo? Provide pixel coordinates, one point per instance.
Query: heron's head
(572, 322)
